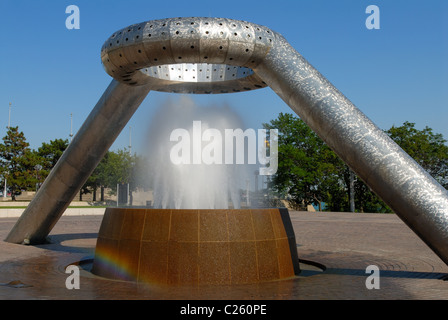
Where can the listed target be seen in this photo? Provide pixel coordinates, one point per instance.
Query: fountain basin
(196, 247)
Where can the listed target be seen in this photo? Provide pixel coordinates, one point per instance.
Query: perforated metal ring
(189, 55)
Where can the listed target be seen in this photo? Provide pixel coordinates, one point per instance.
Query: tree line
(310, 173)
(25, 169)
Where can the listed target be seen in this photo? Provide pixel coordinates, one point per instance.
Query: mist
(192, 186)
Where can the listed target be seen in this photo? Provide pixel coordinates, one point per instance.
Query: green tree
(117, 167)
(308, 171)
(429, 149)
(50, 154)
(18, 162)
(367, 201)
(107, 174)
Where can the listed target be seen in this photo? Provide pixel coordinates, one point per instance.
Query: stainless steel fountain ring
(189, 55)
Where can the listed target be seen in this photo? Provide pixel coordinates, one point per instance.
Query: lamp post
(9, 124)
(71, 127)
(352, 191)
(37, 167)
(130, 140)
(4, 189)
(9, 117)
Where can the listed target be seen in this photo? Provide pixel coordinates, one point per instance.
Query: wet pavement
(334, 250)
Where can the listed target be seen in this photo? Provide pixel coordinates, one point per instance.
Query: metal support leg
(406, 187)
(99, 131)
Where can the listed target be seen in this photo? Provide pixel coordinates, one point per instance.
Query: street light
(4, 188)
(9, 117)
(71, 127)
(37, 167)
(130, 140)
(9, 124)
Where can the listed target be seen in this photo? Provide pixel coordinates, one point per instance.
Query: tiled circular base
(177, 247)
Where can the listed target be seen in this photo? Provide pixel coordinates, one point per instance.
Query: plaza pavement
(334, 248)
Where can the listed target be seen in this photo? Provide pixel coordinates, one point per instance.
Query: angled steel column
(99, 131)
(407, 188)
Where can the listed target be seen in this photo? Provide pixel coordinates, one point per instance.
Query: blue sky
(396, 74)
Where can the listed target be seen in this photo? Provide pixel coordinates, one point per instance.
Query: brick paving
(344, 243)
